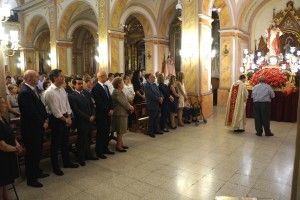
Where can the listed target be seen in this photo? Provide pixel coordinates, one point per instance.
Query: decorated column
(64, 50)
(232, 43)
(163, 50)
(205, 41)
(53, 34)
(103, 7)
(27, 54)
(117, 51)
(195, 53)
(150, 54)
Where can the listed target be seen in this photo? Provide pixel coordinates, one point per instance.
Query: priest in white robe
(236, 105)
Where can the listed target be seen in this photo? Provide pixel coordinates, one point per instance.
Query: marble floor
(194, 162)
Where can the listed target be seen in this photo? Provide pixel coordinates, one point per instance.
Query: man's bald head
(261, 79)
(31, 77)
(102, 76)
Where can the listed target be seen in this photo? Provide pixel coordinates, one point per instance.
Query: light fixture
(213, 53)
(179, 5)
(292, 49)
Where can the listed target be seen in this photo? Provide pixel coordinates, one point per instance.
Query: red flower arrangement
(273, 76)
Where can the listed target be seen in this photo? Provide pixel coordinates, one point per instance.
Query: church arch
(37, 24)
(76, 11)
(143, 15)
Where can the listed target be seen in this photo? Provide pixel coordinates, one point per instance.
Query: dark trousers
(59, 141)
(102, 137)
(153, 120)
(83, 140)
(164, 116)
(34, 146)
(262, 112)
(130, 119)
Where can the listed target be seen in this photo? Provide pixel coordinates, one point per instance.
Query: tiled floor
(194, 162)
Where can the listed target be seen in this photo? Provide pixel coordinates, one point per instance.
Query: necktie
(36, 93)
(106, 90)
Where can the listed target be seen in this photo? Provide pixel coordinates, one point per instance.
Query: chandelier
(9, 40)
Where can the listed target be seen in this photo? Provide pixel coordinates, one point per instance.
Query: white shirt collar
(31, 87)
(102, 84)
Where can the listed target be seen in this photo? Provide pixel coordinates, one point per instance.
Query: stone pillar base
(207, 104)
(223, 96)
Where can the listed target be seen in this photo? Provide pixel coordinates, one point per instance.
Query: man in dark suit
(33, 124)
(83, 111)
(104, 111)
(153, 101)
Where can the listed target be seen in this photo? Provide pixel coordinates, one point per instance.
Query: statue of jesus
(273, 41)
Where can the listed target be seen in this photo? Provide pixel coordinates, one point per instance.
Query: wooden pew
(140, 122)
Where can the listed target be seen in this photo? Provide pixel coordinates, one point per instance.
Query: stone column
(53, 34)
(296, 175)
(196, 54)
(205, 88)
(155, 49)
(28, 55)
(64, 50)
(117, 51)
(103, 7)
(232, 42)
(150, 51)
(162, 53)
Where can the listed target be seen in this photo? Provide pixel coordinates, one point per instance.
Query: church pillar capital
(64, 43)
(205, 20)
(116, 34)
(234, 33)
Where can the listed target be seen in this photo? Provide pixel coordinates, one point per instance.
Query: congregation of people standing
(63, 104)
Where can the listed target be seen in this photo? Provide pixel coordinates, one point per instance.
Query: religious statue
(170, 67)
(273, 41)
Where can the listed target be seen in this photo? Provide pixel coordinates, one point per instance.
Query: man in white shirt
(109, 82)
(57, 102)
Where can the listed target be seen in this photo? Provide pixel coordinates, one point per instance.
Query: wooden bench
(140, 122)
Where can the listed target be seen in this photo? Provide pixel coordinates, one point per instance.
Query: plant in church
(273, 76)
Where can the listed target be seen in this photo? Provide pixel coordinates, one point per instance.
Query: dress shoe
(101, 156)
(165, 130)
(71, 165)
(159, 133)
(82, 163)
(109, 152)
(43, 175)
(259, 134)
(58, 172)
(125, 147)
(35, 184)
(120, 150)
(92, 158)
(270, 134)
(152, 135)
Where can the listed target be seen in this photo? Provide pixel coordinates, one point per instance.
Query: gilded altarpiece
(288, 21)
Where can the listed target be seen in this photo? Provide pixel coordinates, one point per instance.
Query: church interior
(211, 42)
